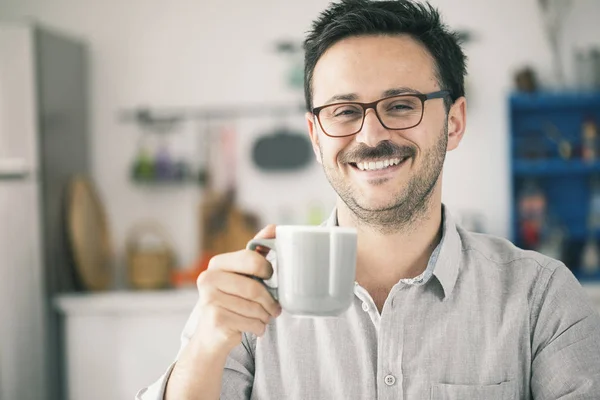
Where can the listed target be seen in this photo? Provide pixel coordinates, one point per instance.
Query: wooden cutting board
(224, 226)
(88, 235)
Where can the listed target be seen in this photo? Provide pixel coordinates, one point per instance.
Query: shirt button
(389, 380)
(365, 307)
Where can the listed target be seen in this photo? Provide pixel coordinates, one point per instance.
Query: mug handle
(269, 243)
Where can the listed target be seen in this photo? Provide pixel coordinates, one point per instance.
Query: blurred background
(139, 138)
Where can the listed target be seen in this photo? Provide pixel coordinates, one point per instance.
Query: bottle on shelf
(552, 242)
(594, 208)
(143, 166)
(589, 133)
(590, 260)
(163, 165)
(532, 212)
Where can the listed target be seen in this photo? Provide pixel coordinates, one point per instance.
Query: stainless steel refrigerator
(43, 142)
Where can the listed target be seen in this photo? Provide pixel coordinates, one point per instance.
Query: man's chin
(376, 205)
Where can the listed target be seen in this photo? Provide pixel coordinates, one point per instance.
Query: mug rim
(315, 228)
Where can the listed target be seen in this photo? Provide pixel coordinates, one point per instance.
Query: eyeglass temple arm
(438, 95)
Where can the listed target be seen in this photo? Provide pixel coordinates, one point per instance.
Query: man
(439, 312)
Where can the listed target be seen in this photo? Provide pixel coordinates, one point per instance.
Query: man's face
(364, 69)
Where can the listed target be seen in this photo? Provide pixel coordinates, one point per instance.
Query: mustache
(384, 149)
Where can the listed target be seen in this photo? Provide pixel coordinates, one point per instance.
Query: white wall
(192, 53)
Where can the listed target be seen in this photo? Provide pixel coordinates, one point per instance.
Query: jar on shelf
(150, 256)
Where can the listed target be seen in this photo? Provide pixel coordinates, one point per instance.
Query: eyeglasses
(399, 112)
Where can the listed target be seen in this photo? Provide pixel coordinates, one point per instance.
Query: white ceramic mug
(316, 268)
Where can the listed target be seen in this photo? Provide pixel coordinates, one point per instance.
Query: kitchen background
(181, 100)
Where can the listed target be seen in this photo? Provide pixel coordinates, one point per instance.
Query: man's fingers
(240, 286)
(224, 319)
(238, 305)
(246, 262)
(268, 232)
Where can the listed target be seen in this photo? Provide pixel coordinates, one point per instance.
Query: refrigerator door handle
(14, 168)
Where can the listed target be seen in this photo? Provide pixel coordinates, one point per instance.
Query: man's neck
(383, 259)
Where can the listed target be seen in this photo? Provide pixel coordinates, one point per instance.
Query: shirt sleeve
(238, 375)
(565, 340)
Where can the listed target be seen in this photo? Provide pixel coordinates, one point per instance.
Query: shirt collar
(448, 258)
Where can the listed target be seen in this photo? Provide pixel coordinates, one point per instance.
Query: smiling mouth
(377, 165)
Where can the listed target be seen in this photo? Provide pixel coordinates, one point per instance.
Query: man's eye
(345, 112)
(400, 107)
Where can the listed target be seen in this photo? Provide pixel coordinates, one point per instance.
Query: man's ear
(457, 122)
(314, 135)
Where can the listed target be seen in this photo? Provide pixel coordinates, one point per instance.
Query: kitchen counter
(128, 302)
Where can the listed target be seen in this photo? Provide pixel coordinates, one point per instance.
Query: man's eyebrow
(342, 97)
(399, 90)
(387, 93)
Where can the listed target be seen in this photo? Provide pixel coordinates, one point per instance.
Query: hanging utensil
(282, 150)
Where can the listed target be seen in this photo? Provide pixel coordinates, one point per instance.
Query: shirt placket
(390, 345)
(390, 341)
(368, 306)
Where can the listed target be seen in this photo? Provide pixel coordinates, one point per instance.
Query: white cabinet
(116, 343)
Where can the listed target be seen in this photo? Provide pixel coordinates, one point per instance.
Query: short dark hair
(367, 17)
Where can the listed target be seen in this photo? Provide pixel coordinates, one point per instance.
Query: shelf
(580, 232)
(554, 167)
(169, 184)
(159, 117)
(545, 101)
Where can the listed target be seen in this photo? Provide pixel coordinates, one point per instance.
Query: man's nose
(372, 131)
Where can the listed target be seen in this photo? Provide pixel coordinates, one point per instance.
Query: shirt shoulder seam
(541, 290)
(543, 266)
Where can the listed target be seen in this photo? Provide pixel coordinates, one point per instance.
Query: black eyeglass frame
(365, 106)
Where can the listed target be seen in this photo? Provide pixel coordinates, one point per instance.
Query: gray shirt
(491, 322)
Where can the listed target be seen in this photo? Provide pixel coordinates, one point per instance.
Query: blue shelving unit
(554, 168)
(552, 101)
(538, 123)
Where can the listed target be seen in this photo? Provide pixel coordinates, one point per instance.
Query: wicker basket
(149, 265)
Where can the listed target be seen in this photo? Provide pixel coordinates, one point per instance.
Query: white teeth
(376, 165)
